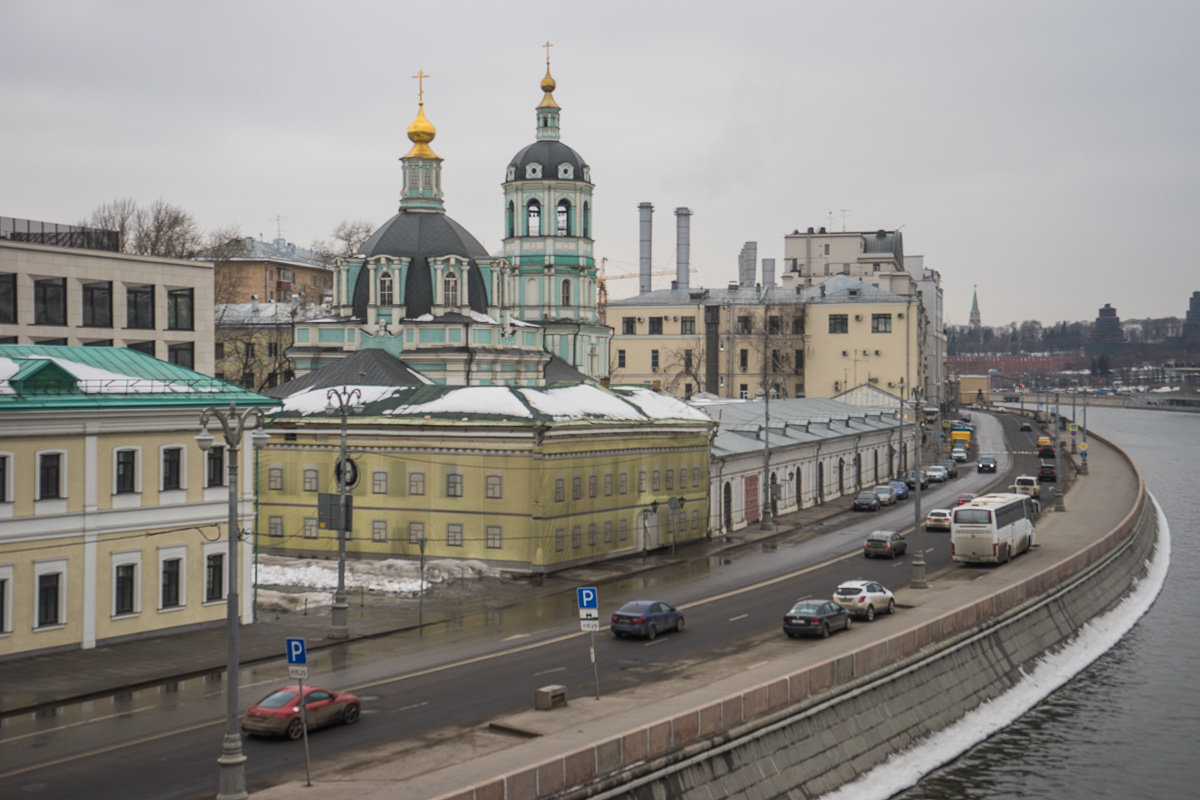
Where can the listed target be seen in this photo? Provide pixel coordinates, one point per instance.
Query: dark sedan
(1047, 474)
(986, 464)
(278, 714)
(646, 618)
(815, 618)
(866, 501)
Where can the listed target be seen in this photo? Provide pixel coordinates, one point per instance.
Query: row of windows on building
(657, 479)
(780, 362)
(776, 325)
(880, 323)
(50, 302)
(52, 471)
(565, 222)
(493, 535)
(51, 583)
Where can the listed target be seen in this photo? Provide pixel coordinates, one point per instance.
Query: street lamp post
(232, 785)
(900, 462)
(342, 400)
(1058, 480)
(766, 518)
(918, 562)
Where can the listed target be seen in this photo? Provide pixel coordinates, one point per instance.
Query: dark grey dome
(420, 236)
(549, 154)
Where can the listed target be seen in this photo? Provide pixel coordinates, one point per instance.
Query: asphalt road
(162, 742)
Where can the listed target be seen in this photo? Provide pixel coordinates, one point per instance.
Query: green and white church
(424, 290)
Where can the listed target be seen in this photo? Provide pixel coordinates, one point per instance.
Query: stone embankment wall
(809, 732)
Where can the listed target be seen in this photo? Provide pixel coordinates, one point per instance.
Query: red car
(965, 497)
(278, 714)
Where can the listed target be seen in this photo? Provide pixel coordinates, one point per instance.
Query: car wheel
(1003, 559)
(825, 630)
(849, 620)
(891, 606)
(790, 635)
(679, 625)
(295, 729)
(866, 555)
(870, 613)
(651, 632)
(350, 714)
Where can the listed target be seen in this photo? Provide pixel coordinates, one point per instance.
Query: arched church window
(533, 218)
(385, 289)
(450, 290)
(587, 221)
(566, 292)
(531, 292)
(511, 220)
(564, 218)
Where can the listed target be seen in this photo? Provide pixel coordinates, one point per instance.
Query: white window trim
(6, 586)
(6, 505)
(282, 476)
(50, 567)
(137, 467)
(133, 557)
(224, 464)
(212, 549)
(54, 505)
(183, 462)
(169, 554)
(304, 477)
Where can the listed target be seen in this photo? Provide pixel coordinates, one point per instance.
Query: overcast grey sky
(1047, 152)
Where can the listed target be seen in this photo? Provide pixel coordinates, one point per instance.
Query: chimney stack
(683, 246)
(645, 227)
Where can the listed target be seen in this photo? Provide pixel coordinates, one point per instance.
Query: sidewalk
(41, 681)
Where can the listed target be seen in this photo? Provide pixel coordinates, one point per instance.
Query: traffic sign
(297, 653)
(592, 625)
(945, 423)
(1074, 426)
(589, 602)
(1083, 446)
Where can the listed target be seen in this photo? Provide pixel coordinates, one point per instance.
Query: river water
(1128, 725)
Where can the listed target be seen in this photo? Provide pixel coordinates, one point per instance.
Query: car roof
(856, 584)
(881, 534)
(945, 511)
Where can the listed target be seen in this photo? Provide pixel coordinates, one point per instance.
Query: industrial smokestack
(683, 246)
(768, 265)
(747, 261)
(645, 227)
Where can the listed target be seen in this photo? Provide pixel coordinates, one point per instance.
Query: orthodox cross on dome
(547, 45)
(421, 76)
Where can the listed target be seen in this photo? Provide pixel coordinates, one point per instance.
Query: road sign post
(589, 620)
(297, 659)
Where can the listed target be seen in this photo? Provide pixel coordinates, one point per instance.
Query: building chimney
(683, 246)
(747, 261)
(645, 227)
(768, 272)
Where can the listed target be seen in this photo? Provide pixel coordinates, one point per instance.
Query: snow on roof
(315, 401)
(578, 402)
(661, 406)
(494, 400)
(97, 380)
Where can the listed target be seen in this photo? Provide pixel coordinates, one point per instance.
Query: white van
(1026, 484)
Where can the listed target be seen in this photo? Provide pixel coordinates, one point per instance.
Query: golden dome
(548, 86)
(421, 132)
(548, 83)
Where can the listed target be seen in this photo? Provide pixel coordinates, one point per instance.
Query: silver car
(865, 599)
(886, 495)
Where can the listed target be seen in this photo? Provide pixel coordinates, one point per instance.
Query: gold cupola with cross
(422, 167)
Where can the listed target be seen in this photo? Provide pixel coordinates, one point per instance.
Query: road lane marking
(739, 616)
(414, 705)
(549, 671)
(756, 666)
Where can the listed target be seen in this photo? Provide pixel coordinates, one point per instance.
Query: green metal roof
(56, 377)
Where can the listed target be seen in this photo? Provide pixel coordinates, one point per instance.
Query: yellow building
(113, 523)
(529, 480)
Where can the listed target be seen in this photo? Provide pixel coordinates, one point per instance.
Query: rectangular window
(275, 526)
(379, 530)
(576, 488)
(797, 326)
(608, 484)
(379, 481)
(249, 350)
(454, 485)
(695, 518)
(560, 491)
(50, 301)
(654, 361)
(560, 540)
(620, 359)
(687, 325)
(142, 347)
(416, 532)
(592, 486)
(494, 537)
(139, 307)
(216, 466)
(4, 471)
(171, 569)
(126, 471)
(656, 328)
(798, 362)
(695, 477)
(275, 479)
(687, 360)
(97, 305)
(628, 326)
(218, 350)
(214, 577)
(310, 528)
(743, 390)
(180, 306)
(592, 534)
(670, 476)
(655, 480)
(839, 323)
(8, 298)
(182, 354)
(454, 535)
(416, 483)
(744, 325)
(576, 537)
(642, 480)
(622, 530)
(608, 531)
(123, 596)
(312, 479)
(881, 323)
(744, 359)
(48, 610)
(272, 349)
(49, 476)
(623, 483)
(774, 325)
(172, 468)
(493, 487)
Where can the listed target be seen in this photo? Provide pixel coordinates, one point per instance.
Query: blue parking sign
(296, 652)
(589, 598)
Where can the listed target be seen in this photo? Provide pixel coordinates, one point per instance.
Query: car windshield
(278, 699)
(806, 608)
(865, 495)
(973, 516)
(879, 536)
(636, 607)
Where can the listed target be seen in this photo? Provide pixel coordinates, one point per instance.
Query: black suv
(1047, 474)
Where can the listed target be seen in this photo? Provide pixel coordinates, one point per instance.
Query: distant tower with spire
(976, 322)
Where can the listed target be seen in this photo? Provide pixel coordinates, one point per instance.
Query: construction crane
(602, 278)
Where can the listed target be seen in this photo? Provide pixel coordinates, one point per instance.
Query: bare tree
(165, 230)
(348, 238)
(116, 216)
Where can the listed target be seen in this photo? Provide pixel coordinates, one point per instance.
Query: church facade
(426, 291)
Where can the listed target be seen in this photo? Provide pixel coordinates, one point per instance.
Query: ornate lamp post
(918, 562)
(342, 400)
(233, 425)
